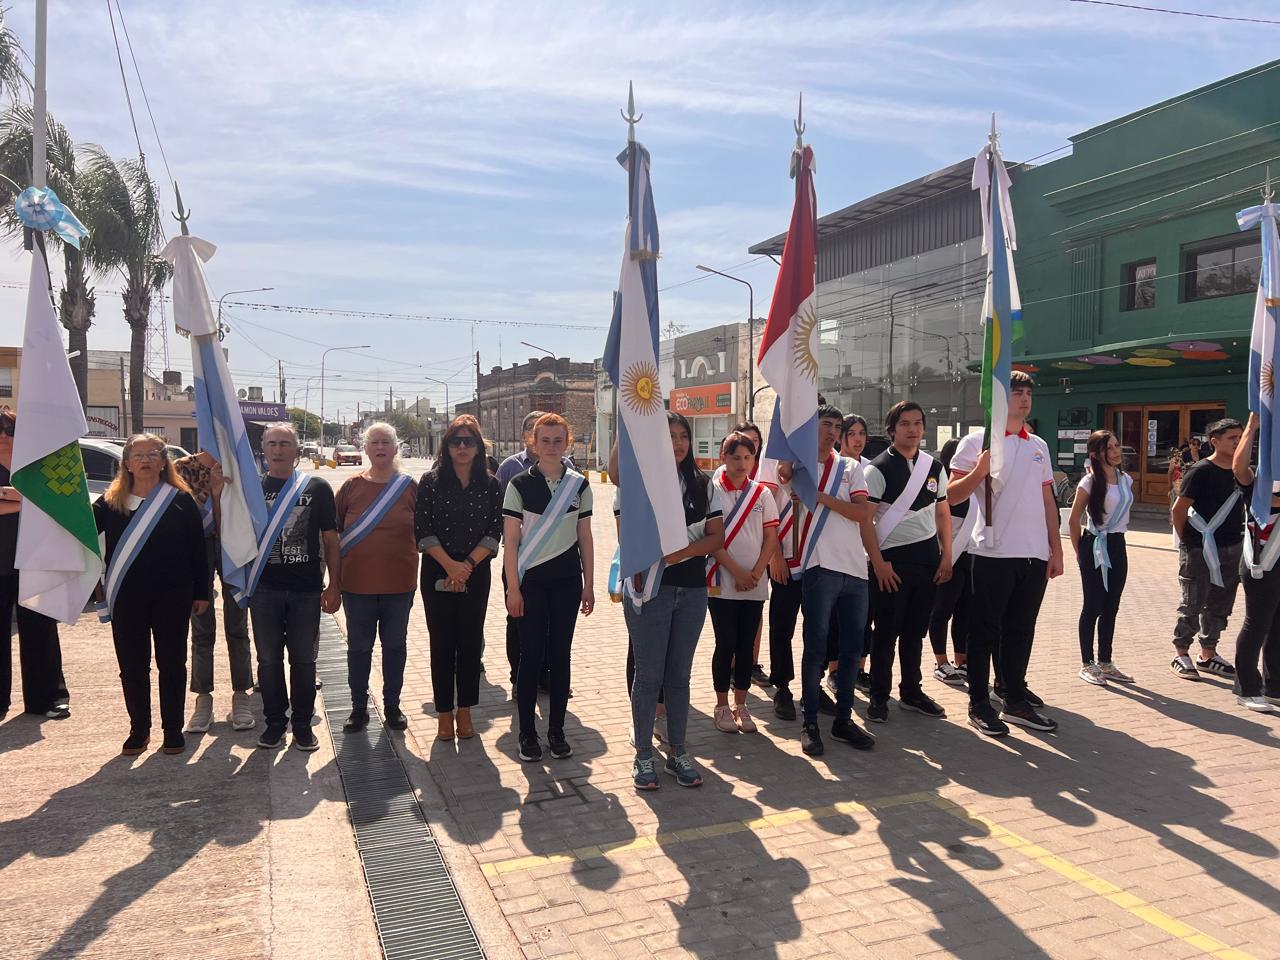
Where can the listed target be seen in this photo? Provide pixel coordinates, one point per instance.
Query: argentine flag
(1264, 355)
(788, 348)
(1002, 305)
(652, 509)
(219, 423)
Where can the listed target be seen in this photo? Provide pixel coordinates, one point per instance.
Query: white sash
(1004, 510)
(962, 536)
(532, 539)
(900, 507)
(281, 507)
(1207, 531)
(135, 536)
(373, 514)
(1263, 561)
(818, 519)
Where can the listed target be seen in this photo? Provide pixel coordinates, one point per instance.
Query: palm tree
(13, 76)
(76, 301)
(126, 222)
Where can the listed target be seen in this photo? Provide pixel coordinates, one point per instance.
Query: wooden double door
(1151, 434)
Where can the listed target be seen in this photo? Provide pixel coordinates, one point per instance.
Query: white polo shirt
(1027, 470)
(840, 546)
(745, 549)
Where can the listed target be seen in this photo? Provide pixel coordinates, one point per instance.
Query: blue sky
(457, 160)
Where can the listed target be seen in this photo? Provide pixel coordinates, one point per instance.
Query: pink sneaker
(743, 715)
(724, 719)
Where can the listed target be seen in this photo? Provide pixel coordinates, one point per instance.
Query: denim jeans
(235, 624)
(370, 615)
(286, 620)
(825, 592)
(664, 635)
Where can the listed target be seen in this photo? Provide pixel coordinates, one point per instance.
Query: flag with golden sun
(1264, 355)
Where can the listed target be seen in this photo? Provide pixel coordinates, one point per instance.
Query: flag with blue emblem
(1002, 306)
(651, 506)
(1264, 355)
(219, 424)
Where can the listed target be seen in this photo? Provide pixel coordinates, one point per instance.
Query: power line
(141, 86)
(128, 99)
(1176, 13)
(421, 318)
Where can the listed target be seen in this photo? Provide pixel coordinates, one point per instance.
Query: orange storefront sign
(708, 400)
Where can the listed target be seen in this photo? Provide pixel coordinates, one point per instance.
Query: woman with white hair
(379, 573)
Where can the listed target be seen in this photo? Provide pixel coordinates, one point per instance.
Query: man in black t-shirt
(287, 601)
(1208, 517)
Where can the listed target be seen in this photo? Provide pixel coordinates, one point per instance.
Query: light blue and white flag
(651, 508)
(1264, 356)
(219, 423)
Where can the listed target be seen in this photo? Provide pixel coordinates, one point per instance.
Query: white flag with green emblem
(58, 557)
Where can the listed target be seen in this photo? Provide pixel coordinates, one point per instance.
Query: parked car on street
(344, 453)
(102, 460)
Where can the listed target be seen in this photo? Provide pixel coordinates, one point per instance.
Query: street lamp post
(306, 406)
(751, 337)
(446, 407)
(359, 346)
(893, 396)
(232, 293)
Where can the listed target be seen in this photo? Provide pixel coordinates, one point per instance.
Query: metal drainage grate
(415, 903)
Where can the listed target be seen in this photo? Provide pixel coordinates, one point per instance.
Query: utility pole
(124, 407)
(476, 397)
(280, 366)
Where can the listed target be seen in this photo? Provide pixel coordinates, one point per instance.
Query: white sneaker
(1256, 704)
(1092, 673)
(949, 675)
(745, 722)
(241, 714)
(201, 715)
(724, 719)
(1112, 672)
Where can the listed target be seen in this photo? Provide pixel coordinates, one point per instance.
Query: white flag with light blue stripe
(1264, 356)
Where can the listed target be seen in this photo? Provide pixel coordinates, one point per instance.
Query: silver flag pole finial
(1267, 193)
(799, 123)
(630, 114)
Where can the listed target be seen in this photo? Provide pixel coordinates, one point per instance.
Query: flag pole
(989, 505)
(39, 100)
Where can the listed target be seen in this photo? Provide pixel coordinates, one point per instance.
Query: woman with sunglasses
(44, 691)
(156, 577)
(457, 523)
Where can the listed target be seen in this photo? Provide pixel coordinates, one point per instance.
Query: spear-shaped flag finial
(630, 114)
(1267, 193)
(182, 216)
(994, 138)
(799, 124)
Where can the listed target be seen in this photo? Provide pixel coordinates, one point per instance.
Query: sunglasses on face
(464, 442)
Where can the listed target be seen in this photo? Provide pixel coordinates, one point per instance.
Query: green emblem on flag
(56, 484)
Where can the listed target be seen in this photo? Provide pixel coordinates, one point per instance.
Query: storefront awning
(1216, 353)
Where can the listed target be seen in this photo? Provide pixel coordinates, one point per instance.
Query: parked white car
(102, 460)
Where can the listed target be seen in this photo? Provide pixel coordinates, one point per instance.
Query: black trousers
(735, 623)
(1101, 603)
(513, 641)
(951, 605)
(901, 618)
(140, 621)
(546, 635)
(784, 609)
(1007, 593)
(38, 650)
(455, 625)
(1260, 634)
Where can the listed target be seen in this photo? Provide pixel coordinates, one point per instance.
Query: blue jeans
(368, 615)
(825, 592)
(286, 620)
(664, 635)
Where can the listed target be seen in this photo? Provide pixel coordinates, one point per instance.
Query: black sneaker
(1217, 666)
(878, 711)
(272, 738)
(395, 719)
(1024, 715)
(174, 742)
(784, 704)
(811, 740)
(862, 681)
(826, 704)
(136, 744)
(558, 745)
(922, 703)
(358, 720)
(759, 677)
(984, 720)
(852, 734)
(305, 740)
(530, 749)
(1032, 699)
(59, 711)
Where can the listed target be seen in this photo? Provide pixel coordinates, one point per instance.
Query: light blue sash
(821, 513)
(1207, 530)
(278, 515)
(135, 536)
(1262, 561)
(1101, 554)
(532, 540)
(206, 516)
(373, 513)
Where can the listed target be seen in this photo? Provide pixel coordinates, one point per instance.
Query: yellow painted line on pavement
(1092, 882)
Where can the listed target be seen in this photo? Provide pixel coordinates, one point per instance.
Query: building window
(1140, 286)
(6, 382)
(1221, 268)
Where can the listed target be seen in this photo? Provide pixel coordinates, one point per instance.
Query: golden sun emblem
(641, 390)
(803, 337)
(1268, 379)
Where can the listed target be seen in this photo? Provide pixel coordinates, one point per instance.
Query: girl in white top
(737, 582)
(853, 440)
(1099, 519)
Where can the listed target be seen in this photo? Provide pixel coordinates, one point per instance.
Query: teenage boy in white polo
(1013, 561)
(909, 547)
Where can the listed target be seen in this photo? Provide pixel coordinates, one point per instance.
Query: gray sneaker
(201, 714)
(643, 773)
(681, 767)
(1112, 672)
